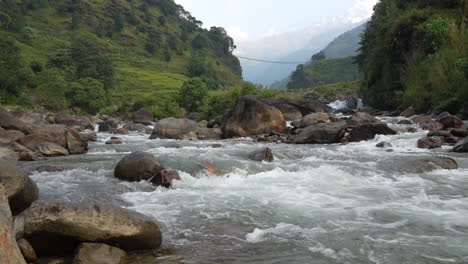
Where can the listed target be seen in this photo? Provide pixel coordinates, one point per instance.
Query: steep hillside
(139, 51)
(414, 53)
(345, 45)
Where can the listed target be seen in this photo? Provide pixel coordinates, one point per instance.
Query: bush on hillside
(192, 94)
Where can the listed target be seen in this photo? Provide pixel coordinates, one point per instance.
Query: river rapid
(313, 204)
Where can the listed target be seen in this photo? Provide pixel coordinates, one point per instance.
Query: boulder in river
(138, 166)
(143, 116)
(97, 253)
(208, 167)
(431, 125)
(71, 121)
(9, 250)
(76, 143)
(20, 189)
(260, 155)
(449, 121)
(369, 131)
(314, 118)
(173, 128)
(108, 125)
(325, 133)
(408, 112)
(56, 228)
(459, 132)
(250, 116)
(384, 144)
(430, 143)
(461, 146)
(165, 178)
(439, 133)
(431, 164)
(418, 119)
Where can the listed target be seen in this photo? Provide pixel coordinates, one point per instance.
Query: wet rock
(452, 140)
(439, 133)
(95, 253)
(411, 130)
(48, 168)
(138, 166)
(29, 156)
(459, 132)
(352, 103)
(431, 125)
(121, 131)
(430, 143)
(310, 106)
(449, 121)
(53, 260)
(165, 178)
(362, 117)
(108, 125)
(114, 141)
(461, 146)
(9, 250)
(250, 116)
(76, 144)
(20, 189)
(56, 228)
(290, 112)
(9, 122)
(262, 155)
(50, 149)
(369, 131)
(209, 133)
(27, 250)
(314, 118)
(71, 121)
(325, 133)
(410, 111)
(137, 127)
(216, 146)
(143, 116)
(405, 122)
(208, 167)
(89, 136)
(384, 144)
(418, 119)
(8, 136)
(173, 128)
(431, 164)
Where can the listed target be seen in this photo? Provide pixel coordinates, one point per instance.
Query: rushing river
(313, 204)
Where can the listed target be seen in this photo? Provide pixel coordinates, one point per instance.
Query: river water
(313, 204)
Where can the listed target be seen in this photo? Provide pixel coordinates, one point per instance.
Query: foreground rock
(9, 251)
(56, 228)
(325, 133)
(262, 155)
(250, 116)
(95, 253)
(20, 189)
(140, 166)
(431, 164)
(461, 146)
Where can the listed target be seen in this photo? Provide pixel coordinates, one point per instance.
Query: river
(313, 204)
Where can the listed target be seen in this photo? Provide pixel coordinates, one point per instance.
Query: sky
(250, 20)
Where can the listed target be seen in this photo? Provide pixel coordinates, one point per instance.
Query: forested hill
(414, 53)
(345, 45)
(96, 54)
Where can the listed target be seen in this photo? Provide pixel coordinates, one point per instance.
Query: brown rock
(89, 136)
(121, 131)
(76, 144)
(173, 128)
(431, 125)
(314, 118)
(165, 178)
(95, 253)
(431, 164)
(369, 131)
(9, 122)
(27, 250)
(418, 119)
(326, 133)
(430, 143)
(449, 121)
(138, 166)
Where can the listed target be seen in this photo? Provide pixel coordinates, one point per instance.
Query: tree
(298, 79)
(192, 94)
(199, 42)
(5, 20)
(319, 56)
(88, 94)
(52, 90)
(11, 79)
(197, 64)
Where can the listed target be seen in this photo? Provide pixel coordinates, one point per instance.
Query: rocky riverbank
(45, 231)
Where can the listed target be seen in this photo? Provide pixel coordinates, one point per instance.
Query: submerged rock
(384, 144)
(431, 164)
(250, 116)
(208, 167)
(96, 253)
(262, 155)
(56, 228)
(20, 189)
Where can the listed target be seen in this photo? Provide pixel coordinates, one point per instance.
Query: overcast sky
(255, 19)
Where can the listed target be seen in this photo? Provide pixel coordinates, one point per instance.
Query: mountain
(414, 53)
(345, 45)
(58, 53)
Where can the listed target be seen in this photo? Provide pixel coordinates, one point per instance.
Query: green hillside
(345, 45)
(414, 53)
(57, 53)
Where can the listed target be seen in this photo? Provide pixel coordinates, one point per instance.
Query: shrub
(192, 94)
(436, 34)
(52, 90)
(88, 94)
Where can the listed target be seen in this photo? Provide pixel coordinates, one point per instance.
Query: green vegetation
(347, 44)
(414, 54)
(192, 94)
(106, 55)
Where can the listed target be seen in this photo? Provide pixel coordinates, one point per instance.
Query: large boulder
(138, 166)
(314, 118)
(8, 136)
(431, 164)
(290, 112)
(71, 121)
(50, 149)
(431, 125)
(325, 133)
(418, 119)
(96, 253)
(250, 116)
(369, 131)
(430, 143)
(260, 155)
(310, 106)
(76, 143)
(47, 133)
(9, 251)
(362, 117)
(173, 128)
(10, 122)
(108, 125)
(461, 146)
(449, 121)
(410, 111)
(143, 116)
(206, 133)
(56, 228)
(20, 189)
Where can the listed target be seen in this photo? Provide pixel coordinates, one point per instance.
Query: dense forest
(414, 53)
(111, 56)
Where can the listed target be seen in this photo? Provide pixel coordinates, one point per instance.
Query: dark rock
(431, 164)
(452, 140)
(53, 260)
(56, 228)
(431, 125)
(8, 136)
(418, 119)
(308, 107)
(137, 127)
(430, 143)
(439, 133)
(352, 103)
(384, 144)
(459, 132)
(405, 122)
(29, 156)
(173, 128)
(108, 125)
(209, 133)
(165, 178)
(121, 131)
(290, 112)
(250, 116)
(410, 111)
(9, 251)
(411, 130)
(143, 116)
(27, 250)
(48, 168)
(114, 142)
(325, 133)
(361, 118)
(461, 146)
(96, 253)
(449, 121)
(313, 119)
(216, 146)
(138, 166)
(369, 131)
(20, 189)
(262, 155)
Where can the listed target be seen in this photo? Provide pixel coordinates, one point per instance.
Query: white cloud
(237, 34)
(361, 10)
